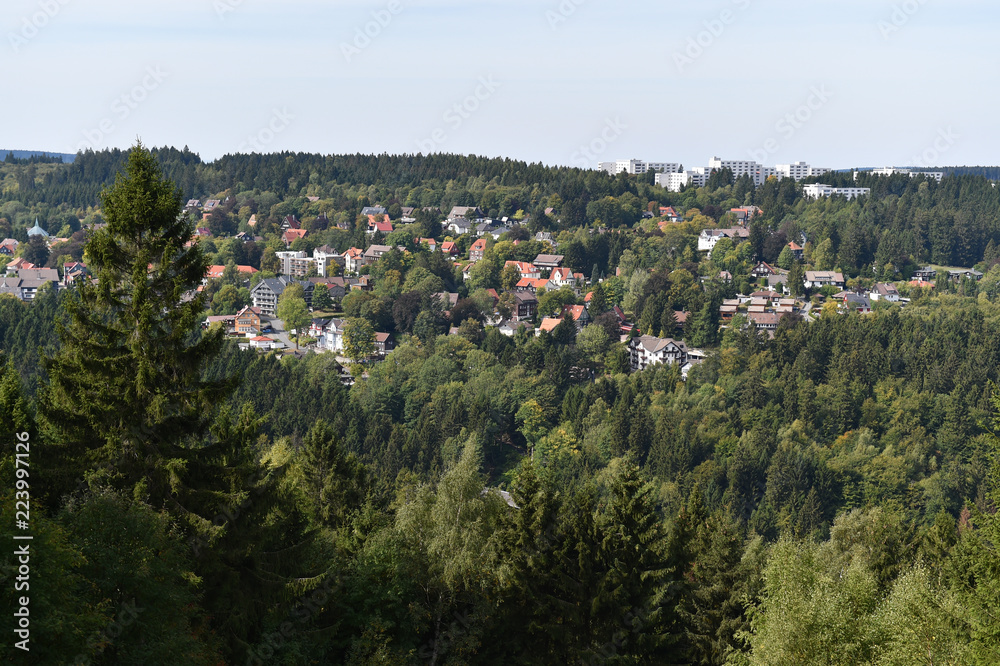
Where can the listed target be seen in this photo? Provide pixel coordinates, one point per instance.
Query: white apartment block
(673, 182)
(295, 263)
(324, 258)
(799, 170)
(890, 171)
(817, 190)
(635, 167)
(757, 172)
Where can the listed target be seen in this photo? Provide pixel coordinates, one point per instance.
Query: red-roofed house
(73, 271)
(431, 244)
(215, 272)
(577, 313)
(797, 251)
(532, 286)
(383, 345)
(292, 235)
(263, 342)
(379, 224)
(527, 269)
(18, 264)
(354, 259)
(477, 250)
(548, 324)
(449, 248)
(562, 277)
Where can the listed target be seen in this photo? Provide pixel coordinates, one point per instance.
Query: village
(324, 277)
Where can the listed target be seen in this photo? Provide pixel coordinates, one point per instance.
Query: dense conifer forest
(823, 493)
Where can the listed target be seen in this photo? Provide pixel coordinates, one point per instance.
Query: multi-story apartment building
(890, 171)
(817, 190)
(296, 264)
(326, 257)
(266, 293)
(799, 170)
(647, 350)
(635, 167)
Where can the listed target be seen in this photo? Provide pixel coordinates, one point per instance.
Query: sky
(835, 83)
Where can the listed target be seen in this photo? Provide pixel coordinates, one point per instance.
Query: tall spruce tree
(125, 394)
(126, 408)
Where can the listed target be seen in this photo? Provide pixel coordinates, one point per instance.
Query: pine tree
(332, 482)
(125, 393)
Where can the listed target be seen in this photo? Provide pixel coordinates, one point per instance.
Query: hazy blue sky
(888, 82)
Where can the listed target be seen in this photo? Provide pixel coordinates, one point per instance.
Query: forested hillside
(823, 493)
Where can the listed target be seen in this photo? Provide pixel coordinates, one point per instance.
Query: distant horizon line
(69, 158)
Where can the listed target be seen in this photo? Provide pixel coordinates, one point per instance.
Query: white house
(264, 343)
(709, 237)
(647, 350)
(458, 225)
(333, 335)
(817, 279)
(884, 292)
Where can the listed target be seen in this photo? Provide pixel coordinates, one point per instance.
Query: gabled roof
(292, 235)
(383, 225)
(548, 259)
(44, 274)
(653, 344)
(575, 311)
(824, 276)
(463, 211)
(217, 271)
(247, 311)
(532, 283)
(522, 266)
(478, 246)
(549, 324)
